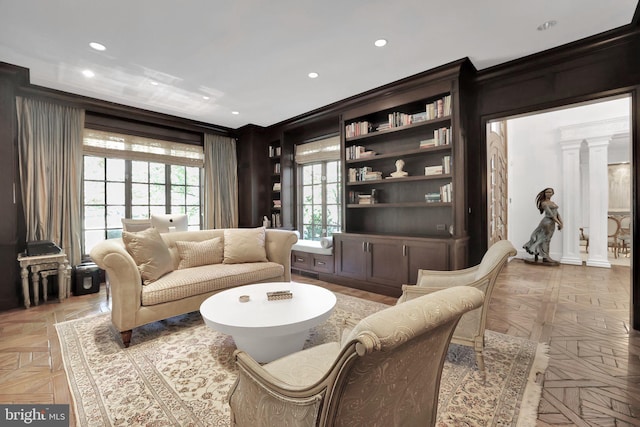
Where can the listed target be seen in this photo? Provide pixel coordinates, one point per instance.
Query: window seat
(313, 255)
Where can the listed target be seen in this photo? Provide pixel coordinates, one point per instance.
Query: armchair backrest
(395, 378)
(494, 259)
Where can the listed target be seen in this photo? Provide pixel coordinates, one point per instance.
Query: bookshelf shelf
(403, 128)
(400, 180)
(400, 205)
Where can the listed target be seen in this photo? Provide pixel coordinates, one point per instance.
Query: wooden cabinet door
(427, 255)
(385, 264)
(350, 256)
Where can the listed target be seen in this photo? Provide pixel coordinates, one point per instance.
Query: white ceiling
(253, 56)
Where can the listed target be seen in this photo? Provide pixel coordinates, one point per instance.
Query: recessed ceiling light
(313, 75)
(88, 73)
(205, 97)
(97, 46)
(153, 83)
(380, 42)
(235, 112)
(546, 25)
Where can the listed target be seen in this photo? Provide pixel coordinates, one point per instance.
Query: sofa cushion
(208, 278)
(194, 254)
(149, 252)
(244, 245)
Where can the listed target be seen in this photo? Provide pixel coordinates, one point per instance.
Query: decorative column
(570, 207)
(599, 201)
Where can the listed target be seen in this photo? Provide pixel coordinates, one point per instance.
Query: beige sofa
(148, 284)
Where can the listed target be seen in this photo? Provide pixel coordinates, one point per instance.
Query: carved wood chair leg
(478, 347)
(126, 337)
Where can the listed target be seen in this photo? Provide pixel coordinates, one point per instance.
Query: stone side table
(44, 266)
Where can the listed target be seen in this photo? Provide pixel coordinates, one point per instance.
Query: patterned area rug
(177, 372)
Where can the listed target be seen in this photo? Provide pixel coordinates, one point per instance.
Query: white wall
(535, 162)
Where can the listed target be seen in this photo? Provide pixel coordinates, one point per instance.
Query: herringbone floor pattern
(593, 377)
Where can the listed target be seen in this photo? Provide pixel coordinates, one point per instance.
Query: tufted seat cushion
(192, 281)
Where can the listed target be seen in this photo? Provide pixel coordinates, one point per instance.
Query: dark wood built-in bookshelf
(275, 158)
(395, 225)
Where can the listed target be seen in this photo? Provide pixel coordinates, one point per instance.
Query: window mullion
(128, 191)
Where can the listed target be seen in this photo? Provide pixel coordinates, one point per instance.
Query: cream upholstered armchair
(385, 372)
(470, 330)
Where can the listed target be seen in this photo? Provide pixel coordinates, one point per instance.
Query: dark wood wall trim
(111, 109)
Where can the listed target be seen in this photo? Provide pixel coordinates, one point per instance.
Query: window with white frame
(134, 177)
(319, 188)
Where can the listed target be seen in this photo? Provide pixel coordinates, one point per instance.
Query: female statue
(538, 244)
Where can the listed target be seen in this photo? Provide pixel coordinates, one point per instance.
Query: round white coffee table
(267, 329)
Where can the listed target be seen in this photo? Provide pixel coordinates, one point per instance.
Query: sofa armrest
(278, 245)
(124, 280)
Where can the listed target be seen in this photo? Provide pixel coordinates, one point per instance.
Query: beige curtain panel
(220, 182)
(50, 156)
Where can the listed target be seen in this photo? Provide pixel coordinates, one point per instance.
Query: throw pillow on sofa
(194, 254)
(149, 252)
(244, 245)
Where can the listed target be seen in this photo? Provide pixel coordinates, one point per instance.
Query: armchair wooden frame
(470, 330)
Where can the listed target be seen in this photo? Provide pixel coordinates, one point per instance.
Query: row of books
(357, 129)
(441, 136)
(445, 195)
(276, 168)
(277, 204)
(358, 152)
(360, 198)
(444, 168)
(275, 220)
(274, 151)
(276, 186)
(439, 108)
(365, 173)
(433, 110)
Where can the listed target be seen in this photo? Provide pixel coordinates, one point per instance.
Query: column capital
(601, 141)
(571, 144)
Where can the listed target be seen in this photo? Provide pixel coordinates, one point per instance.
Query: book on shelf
(277, 204)
(365, 173)
(357, 129)
(434, 170)
(274, 151)
(428, 143)
(275, 220)
(360, 198)
(368, 199)
(276, 168)
(365, 199)
(446, 164)
(372, 176)
(439, 108)
(397, 119)
(276, 186)
(432, 197)
(358, 152)
(442, 136)
(446, 193)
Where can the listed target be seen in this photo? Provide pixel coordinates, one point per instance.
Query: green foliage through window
(320, 199)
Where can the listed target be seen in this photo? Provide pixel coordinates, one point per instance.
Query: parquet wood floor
(593, 378)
